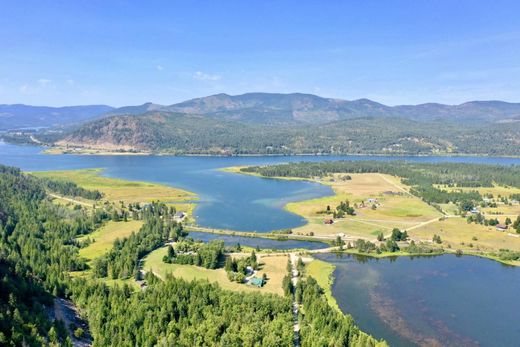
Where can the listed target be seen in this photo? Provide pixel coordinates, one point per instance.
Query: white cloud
(44, 82)
(159, 67)
(24, 89)
(70, 82)
(201, 76)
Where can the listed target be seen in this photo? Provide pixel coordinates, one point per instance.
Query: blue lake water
(227, 201)
(430, 301)
(263, 243)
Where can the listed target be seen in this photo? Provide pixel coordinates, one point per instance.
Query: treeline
(68, 188)
(426, 179)
(209, 255)
(123, 259)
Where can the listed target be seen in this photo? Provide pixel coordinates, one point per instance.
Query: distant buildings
(179, 216)
(501, 227)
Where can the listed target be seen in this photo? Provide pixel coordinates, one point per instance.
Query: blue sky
(129, 52)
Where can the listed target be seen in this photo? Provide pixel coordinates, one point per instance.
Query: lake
(434, 301)
(263, 243)
(227, 200)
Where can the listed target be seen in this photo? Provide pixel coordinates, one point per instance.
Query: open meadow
(381, 203)
(103, 238)
(273, 266)
(115, 190)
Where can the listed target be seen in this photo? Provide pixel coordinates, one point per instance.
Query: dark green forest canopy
(38, 250)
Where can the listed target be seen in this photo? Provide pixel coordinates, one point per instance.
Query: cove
(227, 200)
(263, 243)
(434, 301)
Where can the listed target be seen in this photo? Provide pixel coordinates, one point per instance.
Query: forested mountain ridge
(175, 133)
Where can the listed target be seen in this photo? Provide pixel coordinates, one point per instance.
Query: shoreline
(236, 170)
(56, 150)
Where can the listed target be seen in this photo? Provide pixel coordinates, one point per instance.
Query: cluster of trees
(391, 244)
(69, 188)
(516, 224)
(208, 255)
(342, 209)
(398, 235)
(236, 269)
(508, 255)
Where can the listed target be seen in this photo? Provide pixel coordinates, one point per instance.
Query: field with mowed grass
(273, 266)
(104, 237)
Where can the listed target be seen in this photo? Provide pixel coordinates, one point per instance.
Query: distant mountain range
(263, 123)
(24, 116)
(269, 109)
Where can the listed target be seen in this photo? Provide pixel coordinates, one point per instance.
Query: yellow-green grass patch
(105, 236)
(115, 189)
(322, 272)
(395, 210)
(455, 231)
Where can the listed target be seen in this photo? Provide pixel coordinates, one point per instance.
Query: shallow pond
(433, 301)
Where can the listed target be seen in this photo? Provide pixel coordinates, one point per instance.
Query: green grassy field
(104, 237)
(117, 189)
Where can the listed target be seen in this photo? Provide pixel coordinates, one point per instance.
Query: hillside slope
(193, 134)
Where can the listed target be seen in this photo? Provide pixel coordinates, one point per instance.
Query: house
(179, 215)
(328, 221)
(474, 211)
(501, 227)
(255, 281)
(372, 200)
